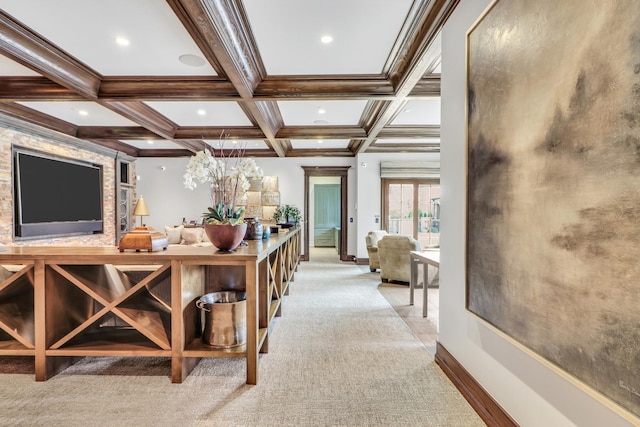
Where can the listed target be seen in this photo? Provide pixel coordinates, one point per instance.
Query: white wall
(169, 201)
(369, 190)
(530, 390)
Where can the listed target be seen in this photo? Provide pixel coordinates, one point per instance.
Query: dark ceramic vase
(254, 229)
(225, 237)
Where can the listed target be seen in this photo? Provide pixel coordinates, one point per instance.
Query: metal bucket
(225, 319)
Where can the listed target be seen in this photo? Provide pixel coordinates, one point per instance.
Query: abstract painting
(553, 203)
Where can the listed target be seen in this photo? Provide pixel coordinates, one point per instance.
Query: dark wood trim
(29, 115)
(29, 49)
(174, 88)
(222, 32)
(486, 407)
(314, 152)
(188, 88)
(430, 17)
(342, 172)
(321, 132)
(325, 87)
(114, 132)
(147, 117)
(35, 89)
(404, 148)
(404, 131)
(214, 132)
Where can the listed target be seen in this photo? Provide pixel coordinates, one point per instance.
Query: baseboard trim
(486, 407)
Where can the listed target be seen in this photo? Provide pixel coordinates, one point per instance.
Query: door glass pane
(429, 215)
(401, 209)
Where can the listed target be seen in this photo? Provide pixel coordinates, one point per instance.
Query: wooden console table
(58, 303)
(427, 258)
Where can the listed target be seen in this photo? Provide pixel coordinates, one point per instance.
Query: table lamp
(141, 209)
(142, 238)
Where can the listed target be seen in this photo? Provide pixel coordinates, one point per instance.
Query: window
(411, 207)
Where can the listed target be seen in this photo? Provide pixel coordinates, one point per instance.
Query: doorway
(341, 231)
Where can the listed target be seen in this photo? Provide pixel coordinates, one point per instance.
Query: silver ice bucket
(225, 318)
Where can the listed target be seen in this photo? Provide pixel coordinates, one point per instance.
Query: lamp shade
(141, 208)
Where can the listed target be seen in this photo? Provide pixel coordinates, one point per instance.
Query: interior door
(326, 214)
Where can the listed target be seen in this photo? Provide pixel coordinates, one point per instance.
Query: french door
(411, 207)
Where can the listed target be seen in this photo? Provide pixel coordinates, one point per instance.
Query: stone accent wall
(10, 136)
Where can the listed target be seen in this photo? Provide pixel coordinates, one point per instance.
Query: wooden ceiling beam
(311, 152)
(222, 30)
(404, 148)
(325, 87)
(414, 59)
(426, 87)
(145, 116)
(24, 46)
(214, 132)
(115, 133)
(35, 89)
(172, 88)
(397, 131)
(32, 116)
(321, 132)
(187, 88)
(155, 152)
(117, 146)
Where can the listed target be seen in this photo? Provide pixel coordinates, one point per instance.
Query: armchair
(372, 239)
(395, 261)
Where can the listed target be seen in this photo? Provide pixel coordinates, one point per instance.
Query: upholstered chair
(395, 260)
(372, 239)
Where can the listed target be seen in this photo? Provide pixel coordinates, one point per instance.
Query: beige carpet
(340, 356)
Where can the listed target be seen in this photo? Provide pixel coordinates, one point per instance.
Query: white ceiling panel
(422, 112)
(202, 113)
(305, 144)
(408, 141)
(155, 144)
(9, 67)
(288, 34)
(88, 31)
(308, 113)
(232, 144)
(80, 113)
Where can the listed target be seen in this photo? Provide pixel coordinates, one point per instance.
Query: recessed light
(122, 41)
(83, 113)
(202, 112)
(192, 60)
(326, 39)
(150, 142)
(321, 110)
(407, 110)
(319, 141)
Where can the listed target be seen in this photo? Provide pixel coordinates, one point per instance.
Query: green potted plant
(287, 214)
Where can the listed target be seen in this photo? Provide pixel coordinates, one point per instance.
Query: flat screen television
(55, 196)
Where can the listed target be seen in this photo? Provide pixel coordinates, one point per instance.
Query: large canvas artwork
(553, 237)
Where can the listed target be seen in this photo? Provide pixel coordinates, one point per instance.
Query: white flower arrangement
(228, 175)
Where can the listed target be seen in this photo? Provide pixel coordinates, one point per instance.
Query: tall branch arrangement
(228, 173)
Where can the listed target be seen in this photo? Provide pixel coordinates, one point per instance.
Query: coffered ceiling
(159, 77)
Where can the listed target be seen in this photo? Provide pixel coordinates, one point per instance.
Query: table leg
(414, 279)
(425, 281)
